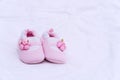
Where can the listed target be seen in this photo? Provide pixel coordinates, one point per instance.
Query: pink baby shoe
(53, 47)
(30, 48)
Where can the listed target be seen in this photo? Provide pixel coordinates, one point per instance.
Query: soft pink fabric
(27, 53)
(30, 57)
(54, 48)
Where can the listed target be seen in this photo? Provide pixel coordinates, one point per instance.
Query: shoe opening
(51, 35)
(30, 34)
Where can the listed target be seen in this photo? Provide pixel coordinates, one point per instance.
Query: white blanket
(91, 29)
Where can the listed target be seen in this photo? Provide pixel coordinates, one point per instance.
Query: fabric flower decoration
(61, 45)
(24, 44)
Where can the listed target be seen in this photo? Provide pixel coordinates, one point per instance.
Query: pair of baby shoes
(35, 49)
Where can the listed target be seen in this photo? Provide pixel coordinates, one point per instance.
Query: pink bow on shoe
(24, 44)
(61, 45)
